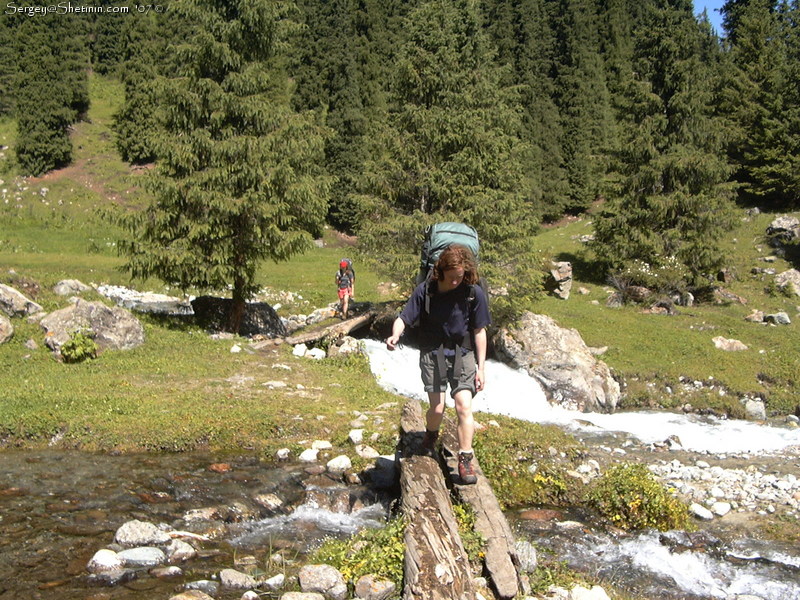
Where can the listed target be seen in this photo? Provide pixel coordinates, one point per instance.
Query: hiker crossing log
(436, 564)
(333, 332)
(501, 560)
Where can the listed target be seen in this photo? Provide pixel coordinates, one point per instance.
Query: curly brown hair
(453, 257)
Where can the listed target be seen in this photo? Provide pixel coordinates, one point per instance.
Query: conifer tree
(8, 67)
(676, 202)
(236, 180)
(524, 35)
(450, 149)
(51, 90)
(761, 100)
(583, 101)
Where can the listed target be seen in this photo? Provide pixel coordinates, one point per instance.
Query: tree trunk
(501, 559)
(436, 564)
(335, 331)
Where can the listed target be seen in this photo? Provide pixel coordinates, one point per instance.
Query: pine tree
(759, 97)
(8, 67)
(51, 91)
(676, 203)
(236, 180)
(450, 149)
(523, 33)
(583, 101)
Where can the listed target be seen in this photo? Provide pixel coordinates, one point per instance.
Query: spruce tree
(51, 91)
(761, 99)
(450, 149)
(676, 202)
(236, 181)
(583, 101)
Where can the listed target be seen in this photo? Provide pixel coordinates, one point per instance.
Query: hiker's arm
(398, 327)
(480, 358)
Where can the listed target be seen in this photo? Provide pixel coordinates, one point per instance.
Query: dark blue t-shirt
(452, 316)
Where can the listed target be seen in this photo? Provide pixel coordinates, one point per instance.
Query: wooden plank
(436, 564)
(501, 560)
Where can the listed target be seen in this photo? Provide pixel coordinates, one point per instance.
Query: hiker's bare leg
(345, 302)
(435, 414)
(466, 423)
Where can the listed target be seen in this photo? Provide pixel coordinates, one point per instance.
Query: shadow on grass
(583, 269)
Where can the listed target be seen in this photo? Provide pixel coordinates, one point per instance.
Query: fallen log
(436, 564)
(333, 332)
(501, 560)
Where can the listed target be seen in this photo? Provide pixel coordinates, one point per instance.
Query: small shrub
(79, 347)
(371, 551)
(631, 497)
(474, 542)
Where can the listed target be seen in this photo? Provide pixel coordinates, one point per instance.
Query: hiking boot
(465, 469)
(429, 443)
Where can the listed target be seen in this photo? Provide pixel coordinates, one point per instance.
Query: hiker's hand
(391, 342)
(480, 380)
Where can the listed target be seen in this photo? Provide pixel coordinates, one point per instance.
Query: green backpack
(440, 236)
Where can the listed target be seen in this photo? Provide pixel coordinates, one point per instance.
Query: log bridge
(436, 564)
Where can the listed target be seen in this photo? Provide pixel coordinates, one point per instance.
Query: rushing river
(647, 564)
(58, 508)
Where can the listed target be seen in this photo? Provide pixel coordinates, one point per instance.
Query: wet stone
(143, 557)
(231, 578)
(112, 578)
(166, 572)
(138, 533)
(210, 588)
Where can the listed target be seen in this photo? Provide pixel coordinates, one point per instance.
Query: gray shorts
(465, 380)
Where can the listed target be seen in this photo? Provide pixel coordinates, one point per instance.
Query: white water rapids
(514, 393)
(766, 574)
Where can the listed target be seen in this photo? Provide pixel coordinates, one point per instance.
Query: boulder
(15, 304)
(561, 282)
(146, 302)
(6, 330)
(323, 579)
(113, 328)
(728, 345)
(70, 287)
(784, 230)
(560, 360)
(779, 318)
(259, 318)
(789, 281)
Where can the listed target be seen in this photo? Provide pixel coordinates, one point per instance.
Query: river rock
(146, 556)
(6, 330)
(210, 588)
(273, 584)
(139, 533)
(581, 593)
(269, 501)
(166, 572)
(527, 556)
(70, 287)
(560, 360)
(755, 409)
(112, 578)
(16, 304)
(113, 328)
(721, 508)
(105, 560)
(302, 596)
(372, 587)
(259, 318)
(728, 345)
(192, 595)
(231, 578)
(339, 465)
(179, 551)
(323, 579)
(701, 512)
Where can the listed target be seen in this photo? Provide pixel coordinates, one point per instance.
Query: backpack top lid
(441, 235)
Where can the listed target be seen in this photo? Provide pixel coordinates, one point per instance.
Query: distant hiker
(452, 312)
(346, 283)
